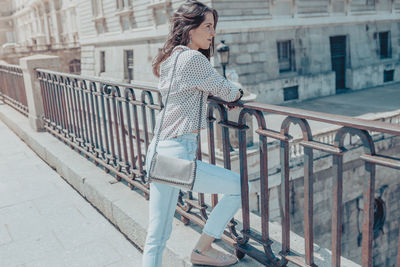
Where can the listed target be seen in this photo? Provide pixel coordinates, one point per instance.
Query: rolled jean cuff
(213, 235)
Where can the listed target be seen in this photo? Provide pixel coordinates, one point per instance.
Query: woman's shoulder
(188, 58)
(191, 58)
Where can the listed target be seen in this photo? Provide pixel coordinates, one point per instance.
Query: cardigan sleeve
(199, 73)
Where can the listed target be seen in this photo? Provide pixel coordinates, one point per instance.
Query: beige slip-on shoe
(222, 260)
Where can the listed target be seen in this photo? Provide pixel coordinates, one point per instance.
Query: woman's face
(202, 36)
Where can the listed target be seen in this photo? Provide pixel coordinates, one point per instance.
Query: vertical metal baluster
(16, 90)
(368, 194)
(137, 137)
(368, 215)
(78, 132)
(127, 94)
(244, 181)
(56, 91)
(103, 99)
(337, 171)
(84, 111)
(112, 120)
(99, 111)
(93, 91)
(53, 102)
(308, 192)
(284, 159)
(81, 113)
(68, 108)
(119, 123)
(109, 97)
(22, 85)
(308, 205)
(63, 106)
(74, 110)
(89, 113)
(211, 151)
(46, 93)
(47, 97)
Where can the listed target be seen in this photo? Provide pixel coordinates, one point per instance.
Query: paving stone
(45, 222)
(24, 251)
(4, 235)
(93, 254)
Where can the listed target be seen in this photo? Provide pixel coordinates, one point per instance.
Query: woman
(192, 37)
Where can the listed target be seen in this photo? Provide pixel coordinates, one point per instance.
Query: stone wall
(254, 56)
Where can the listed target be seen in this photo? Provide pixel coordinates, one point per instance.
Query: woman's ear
(190, 34)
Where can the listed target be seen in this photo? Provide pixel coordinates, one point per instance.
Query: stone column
(55, 22)
(46, 26)
(32, 86)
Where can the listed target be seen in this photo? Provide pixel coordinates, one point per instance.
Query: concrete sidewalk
(45, 222)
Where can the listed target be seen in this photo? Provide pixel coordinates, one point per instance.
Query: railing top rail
(341, 120)
(96, 79)
(10, 65)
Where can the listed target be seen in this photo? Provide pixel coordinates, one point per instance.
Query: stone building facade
(282, 50)
(41, 27)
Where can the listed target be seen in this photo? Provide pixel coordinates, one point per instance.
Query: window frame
(102, 61)
(127, 69)
(285, 55)
(388, 49)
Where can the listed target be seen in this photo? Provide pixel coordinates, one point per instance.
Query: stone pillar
(46, 26)
(55, 22)
(32, 86)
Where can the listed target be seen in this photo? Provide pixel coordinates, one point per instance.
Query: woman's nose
(213, 32)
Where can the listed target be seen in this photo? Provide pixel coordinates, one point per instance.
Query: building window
(291, 93)
(75, 66)
(97, 9)
(128, 62)
(102, 61)
(98, 16)
(388, 76)
(384, 45)
(285, 56)
(121, 4)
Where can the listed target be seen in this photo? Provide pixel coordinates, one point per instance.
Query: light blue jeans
(163, 198)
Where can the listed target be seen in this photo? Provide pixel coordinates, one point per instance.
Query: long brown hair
(188, 16)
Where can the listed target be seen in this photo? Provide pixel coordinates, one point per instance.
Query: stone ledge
(116, 201)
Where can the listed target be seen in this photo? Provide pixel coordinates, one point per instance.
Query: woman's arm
(199, 73)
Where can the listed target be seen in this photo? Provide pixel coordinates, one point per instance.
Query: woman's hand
(238, 97)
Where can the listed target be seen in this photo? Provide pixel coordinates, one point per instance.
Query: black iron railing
(12, 88)
(112, 123)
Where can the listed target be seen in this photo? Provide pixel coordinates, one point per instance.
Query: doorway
(338, 59)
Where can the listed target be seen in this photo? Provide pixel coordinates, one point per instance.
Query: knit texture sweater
(193, 74)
